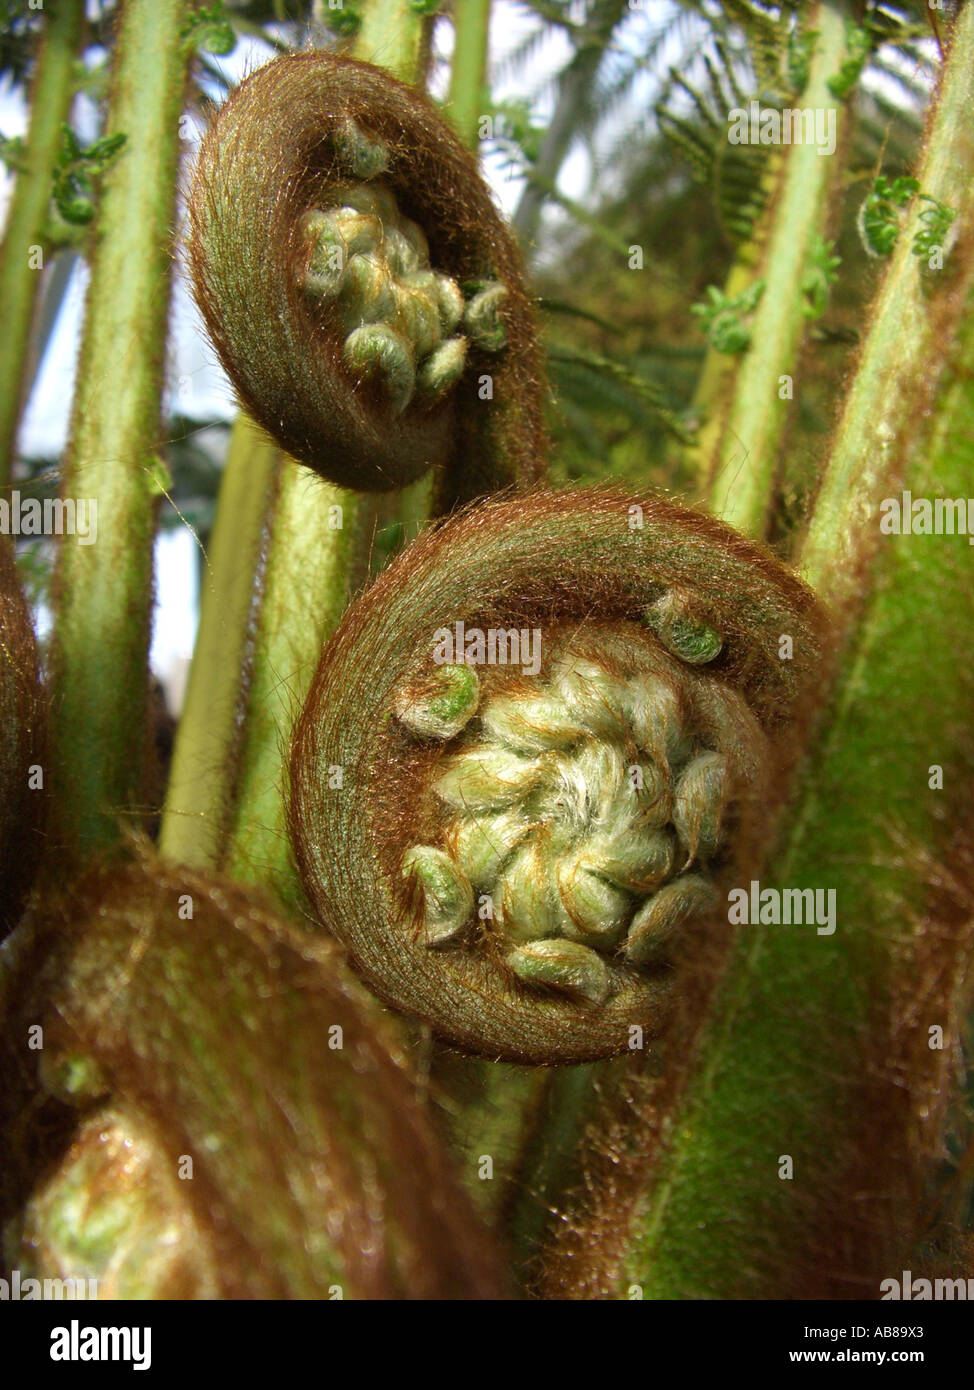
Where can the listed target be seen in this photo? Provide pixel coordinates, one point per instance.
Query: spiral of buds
(199, 1104)
(359, 284)
(22, 742)
(531, 755)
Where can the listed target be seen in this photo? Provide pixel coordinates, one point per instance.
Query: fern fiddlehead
(172, 1050)
(507, 851)
(358, 283)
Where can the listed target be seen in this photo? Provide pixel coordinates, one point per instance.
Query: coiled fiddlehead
(507, 851)
(362, 291)
(199, 1103)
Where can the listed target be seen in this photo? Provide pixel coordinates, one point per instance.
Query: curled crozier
(200, 1102)
(533, 752)
(360, 287)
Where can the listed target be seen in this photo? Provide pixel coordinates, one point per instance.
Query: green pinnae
(667, 909)
(362, 231)
(448, 699)
(567, 966)
(524, 898)
(698, 804)
(366, 155)
(637, 858)
(329, 254)
(481, 844)
(447, 896)
(449, 302)
(597, 910)
(417, 318)
(486, 776)
(367, 293)
(375, 350)
(482, 320)
(574, 799)
(682, 632)
(532, 721)
(443, 368)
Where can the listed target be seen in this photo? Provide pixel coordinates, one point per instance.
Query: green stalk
(906, 331)
(206, 756)
(467, 99)
(228, 767)
(390, 37)
(105, 589)
(313, 569)
(801, 1026)
(748, 449)
(50, 101)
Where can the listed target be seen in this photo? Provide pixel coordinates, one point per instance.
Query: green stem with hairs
(390, 37)
(792, 1039)
(105, 589)
(25, 234)
(747, 453)
(292, 578)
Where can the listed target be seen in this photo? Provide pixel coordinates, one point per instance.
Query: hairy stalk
(310, 578)
(746, 457)
(25, 234)
(817, 1050)
(507, 857)
(104, 591)
(903, 345)
(206, 756)
(390, 37)
(217, 1111)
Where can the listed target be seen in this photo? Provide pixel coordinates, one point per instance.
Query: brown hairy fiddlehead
(23, 729)
(359, 285)
(199, 1102)
(531, 752)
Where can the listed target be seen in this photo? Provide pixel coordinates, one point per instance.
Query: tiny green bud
(658, 719)
(594, 697)
(449, 301)
(400, 253)
(666, 910)
(377, 350)
(375, 200)
(447, 894)
(482, 321)
(443, 368)
(447, 699)
(563, 965)
(366, 155)
(681, 631)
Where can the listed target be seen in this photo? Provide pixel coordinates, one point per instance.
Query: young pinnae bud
(366, 156)
(442, 705)
(447, 894)
(681, 631)
(482, 320)
(377, 350)
(563, 965)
